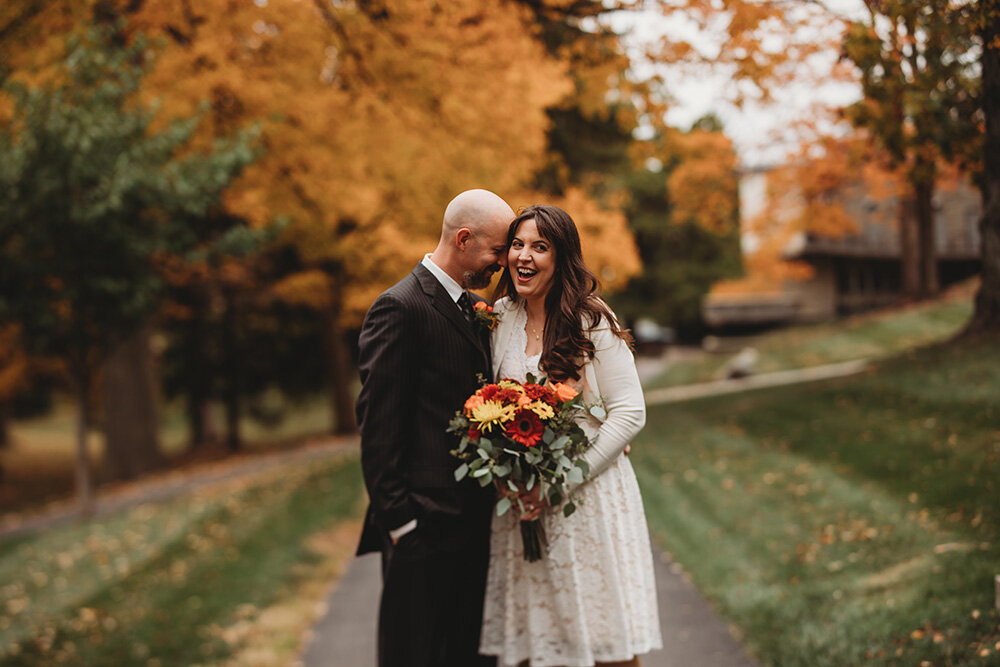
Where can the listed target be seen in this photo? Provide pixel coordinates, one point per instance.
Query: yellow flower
(508, 384)
(490, 414)
(543, 410)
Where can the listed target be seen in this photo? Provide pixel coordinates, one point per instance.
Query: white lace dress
(592, 598)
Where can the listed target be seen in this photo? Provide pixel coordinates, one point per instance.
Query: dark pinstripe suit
(419, 360)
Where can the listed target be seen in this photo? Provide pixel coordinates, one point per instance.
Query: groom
(420, 352)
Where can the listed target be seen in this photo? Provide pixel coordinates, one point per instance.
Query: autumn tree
(90, 194)
(375, 118)
(920, 97)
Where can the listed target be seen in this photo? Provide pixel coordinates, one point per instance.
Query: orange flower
(481, 305)
(564, 392)
(523, 401)
(473, 402)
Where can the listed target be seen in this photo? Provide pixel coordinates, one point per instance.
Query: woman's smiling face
(531, 261)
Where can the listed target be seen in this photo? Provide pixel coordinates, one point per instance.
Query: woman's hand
(534, 502)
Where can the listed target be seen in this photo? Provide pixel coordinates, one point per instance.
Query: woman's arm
(618, 383)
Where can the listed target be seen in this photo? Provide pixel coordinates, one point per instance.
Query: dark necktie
(465, 303)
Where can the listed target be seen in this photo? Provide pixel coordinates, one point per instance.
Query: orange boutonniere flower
(484, 315)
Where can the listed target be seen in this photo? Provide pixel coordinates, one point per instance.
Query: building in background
(849, 273)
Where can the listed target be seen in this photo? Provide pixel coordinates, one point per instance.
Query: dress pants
(432, 603)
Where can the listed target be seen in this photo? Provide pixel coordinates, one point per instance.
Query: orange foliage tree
(373, 116)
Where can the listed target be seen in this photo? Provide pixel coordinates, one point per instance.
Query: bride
(592, 599)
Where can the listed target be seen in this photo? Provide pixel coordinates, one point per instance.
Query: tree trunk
(4, 431)
(929, 285)
(130, 410)
(339, 373)
(909, 248)
(199, 376)
(83, 481)
(987, 313)
(233, 373)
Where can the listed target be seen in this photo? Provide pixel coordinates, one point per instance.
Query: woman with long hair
(592, 599)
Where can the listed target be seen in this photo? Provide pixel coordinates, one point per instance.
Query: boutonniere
(484, 315)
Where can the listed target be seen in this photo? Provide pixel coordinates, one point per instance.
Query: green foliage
(681, 259)
(91, 195)
(852, 522)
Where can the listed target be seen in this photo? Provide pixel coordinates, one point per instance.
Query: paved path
(718, 387)
(693, 635)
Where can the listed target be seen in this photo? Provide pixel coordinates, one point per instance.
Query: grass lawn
(873, 335)
(854, 522)
(230, 575)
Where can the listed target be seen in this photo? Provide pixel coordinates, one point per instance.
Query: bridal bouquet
(519, 435)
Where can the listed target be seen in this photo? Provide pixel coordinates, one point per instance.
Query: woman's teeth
(526, 273)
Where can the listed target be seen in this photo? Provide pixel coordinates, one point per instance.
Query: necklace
(535, 332)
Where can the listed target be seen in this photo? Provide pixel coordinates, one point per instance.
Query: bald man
(420, 355)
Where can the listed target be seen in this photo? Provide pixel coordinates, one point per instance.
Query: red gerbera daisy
(473, 433)
(526, 428)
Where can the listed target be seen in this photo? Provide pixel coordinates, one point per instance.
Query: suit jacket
(419, 361)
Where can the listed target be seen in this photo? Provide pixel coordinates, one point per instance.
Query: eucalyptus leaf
(574, 476)
(481, 472)
(503, 505)
(486, 479)
(598, 412)
(568, 509)
(461, 472)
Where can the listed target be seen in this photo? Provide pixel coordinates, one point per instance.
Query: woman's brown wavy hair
(572, 307)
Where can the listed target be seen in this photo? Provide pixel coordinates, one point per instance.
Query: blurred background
(199, 201)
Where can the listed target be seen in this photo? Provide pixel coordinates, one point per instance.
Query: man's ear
(463, 237)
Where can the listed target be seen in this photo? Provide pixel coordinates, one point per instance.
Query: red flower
(526, 428)
(537, 392)
(488, 392)
(506, 396)
(473, 433)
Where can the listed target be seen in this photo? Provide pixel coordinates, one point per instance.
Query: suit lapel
(443, 304)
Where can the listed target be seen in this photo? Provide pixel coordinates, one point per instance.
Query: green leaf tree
(91, 198)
